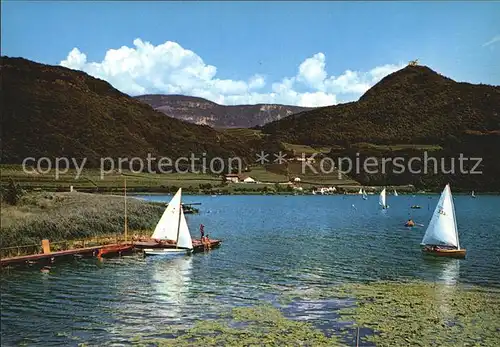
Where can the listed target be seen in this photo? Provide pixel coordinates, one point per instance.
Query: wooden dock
(106, 250)
(197, 245)
(50, 257)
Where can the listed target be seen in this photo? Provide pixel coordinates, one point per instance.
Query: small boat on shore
(441, 237)
(172, 232)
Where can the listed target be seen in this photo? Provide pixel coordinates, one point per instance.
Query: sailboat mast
(178, 224)
(125, 197)
(454, 217)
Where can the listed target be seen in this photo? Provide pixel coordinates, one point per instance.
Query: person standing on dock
(202, 232)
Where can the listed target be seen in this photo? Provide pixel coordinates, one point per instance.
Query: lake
(271, 245)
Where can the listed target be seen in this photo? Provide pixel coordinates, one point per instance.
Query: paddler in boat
(206, 242)
(410, 223)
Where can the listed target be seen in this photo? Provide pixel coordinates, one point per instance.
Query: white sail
(473, 195)
(184, 240)
(360, 191)
(395, 192)
(364, 194)
(442, 229)
(381, 199)
(166, 229)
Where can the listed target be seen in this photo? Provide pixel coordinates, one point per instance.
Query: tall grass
(68, 216)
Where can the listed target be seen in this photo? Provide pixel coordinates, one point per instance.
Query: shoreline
(246, 191)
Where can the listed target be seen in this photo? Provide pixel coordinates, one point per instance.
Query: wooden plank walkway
(197, 245)
(88, 251)
(93, 251)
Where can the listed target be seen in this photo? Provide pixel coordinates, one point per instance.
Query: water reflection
(171, 279)
(448, 273)
(445, 270)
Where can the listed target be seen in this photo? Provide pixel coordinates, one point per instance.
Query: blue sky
(246, 41)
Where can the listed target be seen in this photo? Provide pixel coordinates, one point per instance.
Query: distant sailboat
(364, 195)
(395, 192)
(360, 191)
(382, 199)
(441, 236)
(172, 229)
(473, 195)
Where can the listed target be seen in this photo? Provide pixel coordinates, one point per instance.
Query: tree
(13, 193)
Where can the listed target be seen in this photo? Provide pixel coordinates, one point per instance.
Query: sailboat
(172, 230)
(473, 195)
(395, 192)
(364, 195)
(360, 191)
(382, 199)
(441, 236)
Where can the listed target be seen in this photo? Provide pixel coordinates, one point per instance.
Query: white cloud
(169, 68)
(492, 41)
(312, 71)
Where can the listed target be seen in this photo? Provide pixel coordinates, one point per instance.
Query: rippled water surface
(271, 244)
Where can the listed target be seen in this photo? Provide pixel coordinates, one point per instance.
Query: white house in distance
(247, 179)
(325, 190)
(232, 178)
(235, 178)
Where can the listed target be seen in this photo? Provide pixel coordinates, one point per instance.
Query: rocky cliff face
(204, 112)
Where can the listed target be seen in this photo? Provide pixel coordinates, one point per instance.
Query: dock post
(45, 246)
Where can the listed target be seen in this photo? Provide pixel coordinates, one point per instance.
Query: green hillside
(54, 111)
(408, 113)
(412, 105)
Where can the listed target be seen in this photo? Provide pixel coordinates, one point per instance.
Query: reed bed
(73, 216)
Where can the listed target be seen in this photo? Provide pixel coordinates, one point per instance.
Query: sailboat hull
(451, 253)
(167, 251)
